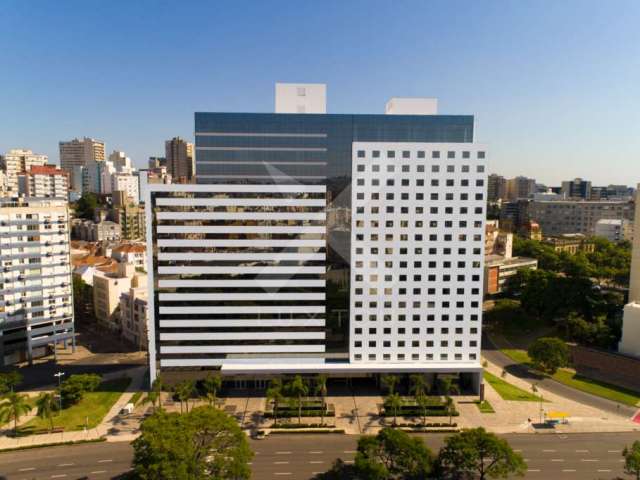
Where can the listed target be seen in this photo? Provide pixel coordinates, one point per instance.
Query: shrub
(73, 389)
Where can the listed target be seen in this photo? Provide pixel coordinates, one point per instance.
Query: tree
(154, 395)
(476, 452)
(184, 391)
(274, 394)
(423, 402)
(82, 299)
(86, 206)
(549, 353)
(13, 407)
(392, 454)
(446, 386)
(632, 460)
(46, 405)
(202, 444)
(321, 389)
(418, 384)
(73, 388)
(9, 381)
(211, 384)
(394, 402)
(298, 389)
(449, 407)
(389, 382)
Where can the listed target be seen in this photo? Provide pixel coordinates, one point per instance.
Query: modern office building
(614, 230)
(239, 262)
(630, 339)
(17, 162)
(520, 188)
(577, 189)
(79, 153)
(179, 159)
(496, 188)
(36, 306)
(566, 216)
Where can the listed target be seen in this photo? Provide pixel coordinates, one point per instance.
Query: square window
(360, 153)
(391, 154)
(435, 154)
(376, 154)
(406, 154)
(451, 154)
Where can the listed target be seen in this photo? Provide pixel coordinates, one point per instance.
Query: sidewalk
(113, 426)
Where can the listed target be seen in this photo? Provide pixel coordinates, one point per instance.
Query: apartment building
(134, 253)
(46, 181)
(614, 230)
(78, 153)
(565, 217)
(127, 183)
(520, 188)
(179, 159)
(107, 289)
(36, 307)
(17, 162)
(133, 316)
(238, 261)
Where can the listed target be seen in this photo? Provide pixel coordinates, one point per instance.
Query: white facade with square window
(418, 212)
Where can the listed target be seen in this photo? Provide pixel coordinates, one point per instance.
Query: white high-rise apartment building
(121, 162)
(246, 269)
(128, 183)
(36, 305)
(17, 162)
(46, 181)
(79, 153)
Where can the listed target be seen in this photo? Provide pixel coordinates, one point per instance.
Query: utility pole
(59, 375)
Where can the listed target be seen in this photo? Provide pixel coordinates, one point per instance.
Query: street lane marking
(281, 463)
(349, 461)
(97, 472)
(316, 451)
(60, 475)
(282, 473)
(349, 451)
(66, 465)
(589, 460)
(604, 470)
(568, 470)
(582, 451)
(105, 461)
(517, 450)
(283, 453)
(613, 451)
(548, 451)
(533, 470)
(557, 459)
(28, 469)
(316, 461)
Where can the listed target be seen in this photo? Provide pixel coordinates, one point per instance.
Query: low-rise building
(105, 231)
(571, 243)
(134, 253)
(133, 316)
(498, 270)
(107, 288)
(131, 219)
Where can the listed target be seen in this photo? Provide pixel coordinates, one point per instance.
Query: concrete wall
(610, 367)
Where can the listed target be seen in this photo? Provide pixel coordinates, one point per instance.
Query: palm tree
(423, 402)
(274, 393)
(211, 385)
(418, 384)
(298, 389)
(321, 389)
(184, 390)
(394, 401)
(13, 407)
(46, 405)
(389, 382)
(449, 405)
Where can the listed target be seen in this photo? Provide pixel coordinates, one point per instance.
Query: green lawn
(596, 387)
(508, 391)
(484, 406)
(93, 407)
(517, 355)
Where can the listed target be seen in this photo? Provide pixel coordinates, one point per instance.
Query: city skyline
(553, 103)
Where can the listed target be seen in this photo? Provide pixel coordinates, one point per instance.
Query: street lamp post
(59, 375)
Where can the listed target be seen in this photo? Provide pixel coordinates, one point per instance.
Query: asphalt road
(498, 358)
(549, 457)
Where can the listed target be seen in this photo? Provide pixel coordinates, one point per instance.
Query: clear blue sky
(554, 85)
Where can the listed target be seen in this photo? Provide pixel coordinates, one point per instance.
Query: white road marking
(582, 451)
(28, 469)
(105, 461)
(533, 470)
(613, 451)
(569, 470)
(316, 461)
(557, 459)
(589, 460)
(281, 463)
(604, 470)
(282, 473)
(349, 461)
(97, 472)
(316, 452)
(548, 451)
(60, 475)
(66, 465)
(517, 450)
(349, 451)
(283, 453)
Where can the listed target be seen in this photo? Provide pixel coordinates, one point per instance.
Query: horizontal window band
(233, 188)
(243, 309)
(265, 163)
(249, 134)
(242, 349)
(242, 202)
(275, 256)
(193, 361)
(257, 177)
(240, 283)
(241, 243)
(239, 323)
(243, 270)
(202, 297)
(261, 149)
(226, 229)
(240, 216)
(221, 336)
